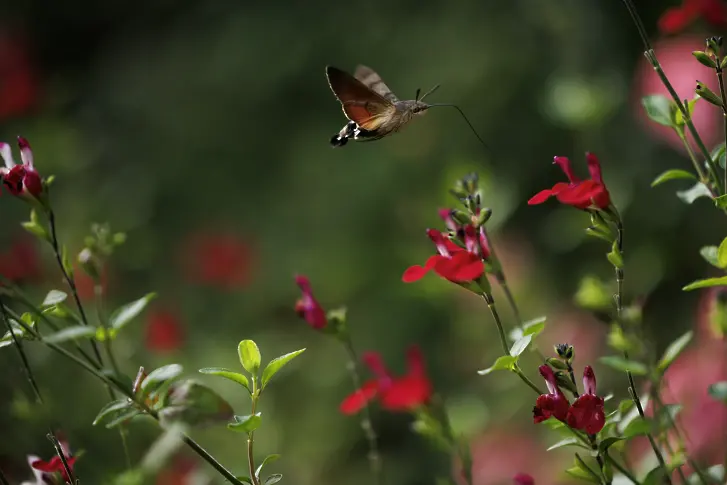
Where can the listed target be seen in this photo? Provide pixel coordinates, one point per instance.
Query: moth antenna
(416, 98)
(465, 118)
(428, 92)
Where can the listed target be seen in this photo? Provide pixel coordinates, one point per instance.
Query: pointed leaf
(246, 424)
(37, 230)
(520, 345)
(534, 327)
(615, 257)
(273, 479)
(276, 364)
(128, 312)
(581, 474)
(706, 283)
(697, 191)
(505, 362)
(673, 351)
(619, 363)
(162, 374)
(564, 442)
(244, 478)
(71, 333)
(710, 255)
(53, 298)
(722, 254)
(111, 407)
(268, 459)
(637, 427)
(249, 356)
(672, 175)
(66, 262)
(606, 443)
(227, 374)
(659, 109)
(123, 418)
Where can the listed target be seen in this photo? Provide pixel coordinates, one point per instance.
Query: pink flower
(23, 178)
(587, 412)
(52, 466)
(523, 479)
(554, 403)
(578, 193)
(307, 307)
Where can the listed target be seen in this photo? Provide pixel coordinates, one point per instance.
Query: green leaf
(111, 407)
(244, 478)
(272, 479)
(619, 363)
(706, 283)
(162, 374)
(709, 253)
(637, 427)
(520, 345)
(227, 374)
(37, 230)
(673, 351)
(564, 442)
(102, 333)
(276, 364)
(659, 109)
(654, 477)
(672, 174)
(163, 450)
(606, 443)
(194, 404)
(689, 105)
(697, 191)
(505, 362)
(123, 418)
(718, 155)
(268, 459)
(71, 333)
(718, 391)
(720, 201)
(53, 298)
(722, 254)
(246, 424)
(615, 257)
(249, 356)
(579, 473)
(66, 262)
(593, 294)
(128, 312)
(534, 327)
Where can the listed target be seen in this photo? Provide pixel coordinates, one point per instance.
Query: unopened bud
(460, 217)
(88, 262)
(556, 363)
(708, 95)
(565, 352)
(705, 58)
(483, 217)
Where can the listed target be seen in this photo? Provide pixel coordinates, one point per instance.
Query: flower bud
(708, 95)
(565, 352)
(556, 363)
(89, 263)
(460, 217)
(705, 58)
(482, 217)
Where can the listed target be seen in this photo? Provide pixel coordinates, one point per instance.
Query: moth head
(420, 108)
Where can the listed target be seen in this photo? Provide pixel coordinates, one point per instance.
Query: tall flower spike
(552, 404)
(307, 307)
(587, 412)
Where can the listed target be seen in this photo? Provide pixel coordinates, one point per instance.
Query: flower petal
(540, 197)
(414, 273)
(7, 155)
(463, 266)
(594, 167)
(26, 154)
(353, 403)
(407, 393)
(374, 362)
(565, 166)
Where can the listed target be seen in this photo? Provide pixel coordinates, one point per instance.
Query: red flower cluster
(164, 332)
(676, 19)
(307, 307)
(404, 393)
(23, 178)
(221, 260)
(578, 193)
(587, 411)
(454, 263)
(43, 470)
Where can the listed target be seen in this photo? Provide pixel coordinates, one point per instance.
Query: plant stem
(503, 341)
(94, 369)
(651, 56)
(618, 297)
(366, 423)
(695, 162)
(62, 456)
(720, 78)
(621, 468)
(69, 279)
(461, 447)
(3, 479)
(250, 436)
(21, 353)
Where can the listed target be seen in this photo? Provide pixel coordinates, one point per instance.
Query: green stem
(3, 479)
(366, 423)
(693, 157)
(651, 56)
(62, 456)
(720, 78)
(503, 341)
(250, 436)
(21, 353)
(620, 468)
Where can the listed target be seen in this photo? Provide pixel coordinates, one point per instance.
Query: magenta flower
(552, 404)
(587, 413)
(307, 307)
(23, 178)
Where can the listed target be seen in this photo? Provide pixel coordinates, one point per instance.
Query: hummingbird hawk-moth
(372, 109)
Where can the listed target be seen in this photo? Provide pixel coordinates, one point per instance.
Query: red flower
(453, 262)
(164, 332)
(307, 307)
(587, 413)
(20, 179)
(523, 479)
(581, 194)
(20, 262)
(552, 404)
(18, 81)
(404, 393)
(183, 471)
(221, 260)
(677, 19)
(55, 464)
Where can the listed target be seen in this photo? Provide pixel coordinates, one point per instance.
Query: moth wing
(371, 79)
(360, 103)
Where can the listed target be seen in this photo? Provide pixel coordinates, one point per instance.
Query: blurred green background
(178, 120)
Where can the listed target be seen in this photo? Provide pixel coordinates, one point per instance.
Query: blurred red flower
(307, 307)
(578, 193)
(55, 465)
(18, 80)
(677, 61)
(182, 472)
(523, 479)
(676, 19)
(217, 259)
(164, 332)
(404, 393)
(21, 262)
